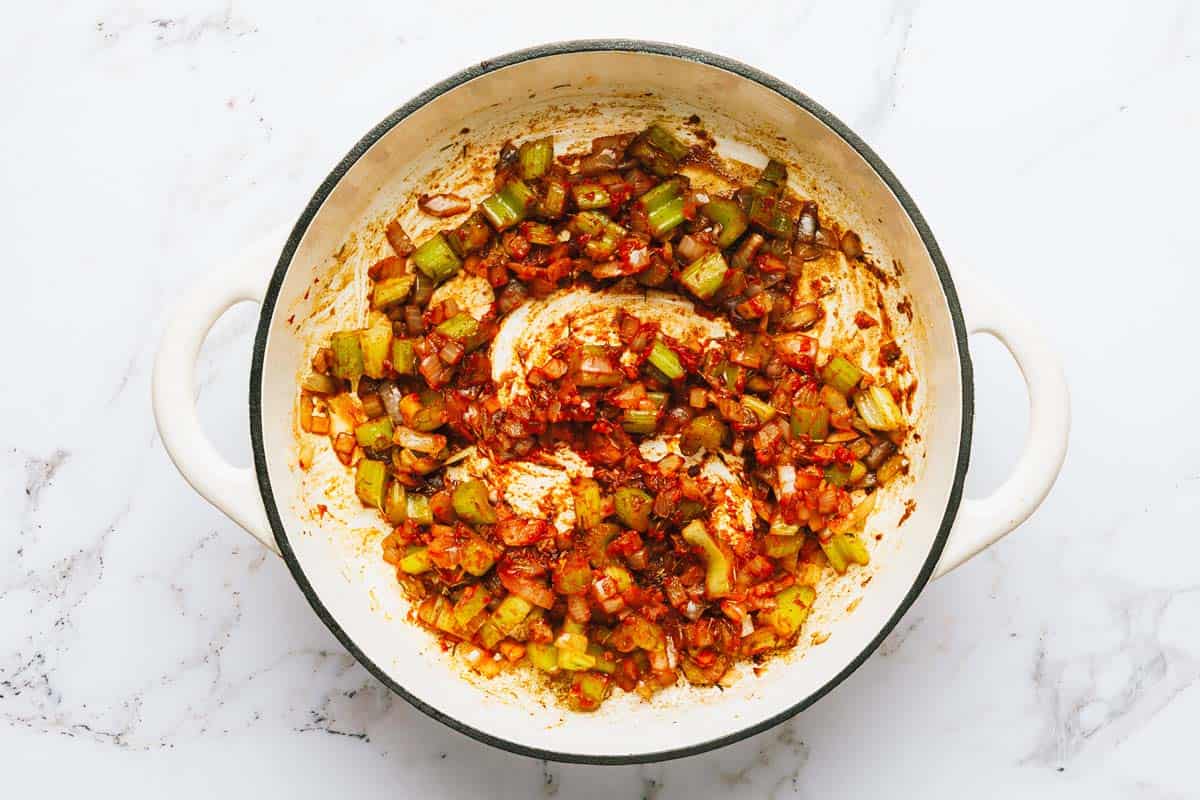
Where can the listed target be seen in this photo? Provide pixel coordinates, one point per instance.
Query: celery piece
(603, 664)
(777, 546)
(621, 575)
(730, 216)
(845, 475)
(575, 661)
(665, 359)
(633, 507)
(391, 292)
(596, 542)
(639, 420)
(539, 233)
(317, 383)
(511, 612)
(471, 602)
(489, 635)
(395, 503)
(704, 276)
(811, 422)
(588, 690)
(760, 641)
(769, 216)
(663, 206)
(555, 202)
(791, 609)
(659, 399)
(644, 633)
(572, 575)
(470, 500)
(471, 236)
(603, 234)
(508, 206)
(762, 409)
(418, 509)
(590, 195)
(878, 409)
(841, 375)
(703, 432)
(535, 157)
(416, 560)
(347, 355)
(376, 343)
(543, 656)
(461, 326)
(477, 556)
(718, 578)
(403, 358)
(376, 434)
(775, 174)
(436, 258)
(370, 482)
(572, 638)
(424, 412)
(650, 157)
(666, 141)
(843, 549)
(589, 505)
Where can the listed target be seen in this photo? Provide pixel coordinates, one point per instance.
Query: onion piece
(443, 205)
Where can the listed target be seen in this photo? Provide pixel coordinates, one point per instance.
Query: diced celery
(841, 375)
(642, 421)
(471, 602)
(663, 206)
(603, 234)
(762, 409)
(436, 258)
(416, 560)
(543, 656)
(370, 481)
(461, 326)
(391, 292)
(508, 206)
(774, 174)
(845, 474)
(812, 422)
(703, 432)
(395, 503)
(791, 609)
(477, 556)
(418, 509)
(489, 635)
(471, 236)
(718, 579)
(470, 500)
(588, 690)
(375, 434)
(535, 157)
(575, 661)
(555, 202)
(603, 664)
(760, 641)
(404, 360)
(666, 141)
(704, 276)
(843, 549)
(347, 355)
(511, 612)
(589, 505)
(317, 383)
(730, 216)
(878, 409)
(376, 341)
(621, 575)
(666, 360)
(777, 546)
(590, 195)
(633, 507)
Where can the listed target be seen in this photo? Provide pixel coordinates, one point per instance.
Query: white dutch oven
(630, 82)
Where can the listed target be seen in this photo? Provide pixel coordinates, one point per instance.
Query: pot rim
(267, 313)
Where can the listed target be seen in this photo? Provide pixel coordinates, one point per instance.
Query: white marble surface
(148, 646)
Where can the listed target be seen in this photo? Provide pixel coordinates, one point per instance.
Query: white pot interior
(577, 96)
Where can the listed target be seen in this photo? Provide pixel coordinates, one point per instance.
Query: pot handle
(983, 521)
(233, 490)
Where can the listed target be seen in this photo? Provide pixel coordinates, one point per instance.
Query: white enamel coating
(340, 567)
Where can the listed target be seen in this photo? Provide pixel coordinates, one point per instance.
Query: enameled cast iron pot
(636, 81)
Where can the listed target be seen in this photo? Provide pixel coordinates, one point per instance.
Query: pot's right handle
(983, 521)
(234, 490)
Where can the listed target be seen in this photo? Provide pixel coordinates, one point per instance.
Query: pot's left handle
(234, 490)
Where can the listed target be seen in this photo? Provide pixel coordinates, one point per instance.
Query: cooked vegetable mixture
(645, 590)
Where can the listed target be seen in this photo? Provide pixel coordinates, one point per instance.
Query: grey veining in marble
(153, 647)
